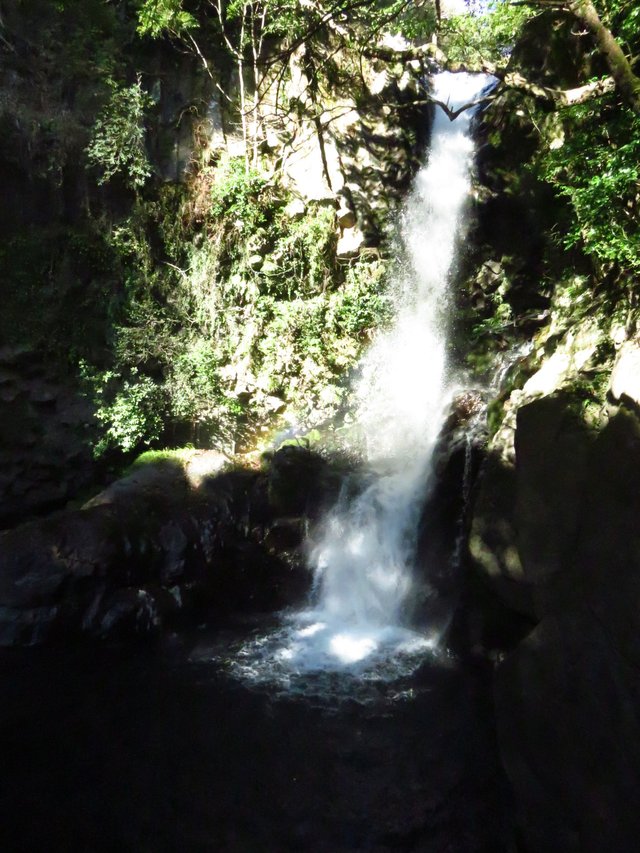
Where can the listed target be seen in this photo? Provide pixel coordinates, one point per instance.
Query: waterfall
(363, 558)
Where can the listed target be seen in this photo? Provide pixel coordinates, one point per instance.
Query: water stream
(363, 558)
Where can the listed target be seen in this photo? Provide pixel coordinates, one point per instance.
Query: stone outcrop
(552, 531)
(173, 540)
(553, 536)
(365, 148)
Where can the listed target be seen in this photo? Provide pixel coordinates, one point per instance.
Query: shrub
(118, 139)
(132, 410)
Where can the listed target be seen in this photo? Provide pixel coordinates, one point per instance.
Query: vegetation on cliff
(558, 240)
(162, 256)
(157, 253)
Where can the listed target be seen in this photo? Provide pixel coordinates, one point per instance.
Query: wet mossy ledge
(190, 536)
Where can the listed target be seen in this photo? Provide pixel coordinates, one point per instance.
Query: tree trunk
(627, 84)
(243, 100)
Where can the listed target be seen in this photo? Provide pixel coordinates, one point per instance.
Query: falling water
(363, 558)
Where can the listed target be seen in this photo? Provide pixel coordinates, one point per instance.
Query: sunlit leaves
(485, 37)
(598, 170)
(118, 140)
(158, 16)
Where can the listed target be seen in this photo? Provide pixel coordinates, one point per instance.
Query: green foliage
(304, 346)
(623, 18)
(496, 324)
(501, 317)
(246, 22)
(597, 168)
(304, 253)
(364, 303)
(201, 338)
(158, 16)
(186, 306)
(57, 289)
(131, 410)
(487, 36)
(241, 194)
(415, 21)
(194, 381)
(118, 139)
(88, 33)
(293, 20)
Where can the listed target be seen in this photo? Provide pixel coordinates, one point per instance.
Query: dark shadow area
(550, 595)
(132, 751)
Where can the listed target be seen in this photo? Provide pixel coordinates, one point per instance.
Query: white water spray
(364, 558)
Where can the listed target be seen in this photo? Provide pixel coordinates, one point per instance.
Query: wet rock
(128, 613)
(274, 404)
(571, 356)
(527, 506)
(285, 534)
(43, 422)
(346, 216)
(625, 376)
(554, 536)
(569, 736)
(8, 394)
(455, 462)
(604, 566)
(296, 209)
(293, 478)
(172, 540)
(28, 626)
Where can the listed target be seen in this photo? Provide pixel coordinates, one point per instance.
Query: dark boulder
(168, 542)
(570, 737)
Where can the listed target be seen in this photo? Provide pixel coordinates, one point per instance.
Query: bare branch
(560, 97)
(202, 58)
(451, 114)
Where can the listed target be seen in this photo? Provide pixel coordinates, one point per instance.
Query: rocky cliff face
(552, 532)
(114, 296)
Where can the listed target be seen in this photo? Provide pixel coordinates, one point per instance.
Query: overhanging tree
(626, 81)
(261, 37)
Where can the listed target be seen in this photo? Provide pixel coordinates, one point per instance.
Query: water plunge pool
(163, 749)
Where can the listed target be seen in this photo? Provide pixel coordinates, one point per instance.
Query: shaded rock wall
(552, 529)
(169, 543)
(44, 455)
(63, 287)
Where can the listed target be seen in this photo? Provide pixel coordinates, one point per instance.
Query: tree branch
(560, 97)
(423, 52)
(626, 82)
